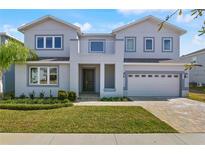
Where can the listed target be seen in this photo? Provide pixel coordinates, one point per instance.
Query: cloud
(141, 11)
(9, 28)
(187, 18)
(198, 40)
(84, 27)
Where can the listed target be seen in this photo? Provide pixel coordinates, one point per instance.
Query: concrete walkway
(183, 114)
(100, 139)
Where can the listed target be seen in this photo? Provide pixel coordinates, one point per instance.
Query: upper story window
(97, 46)
(149, 44)
(167, 44)
(194, 60)
(130, 44)
(49, 42)
(43, 75)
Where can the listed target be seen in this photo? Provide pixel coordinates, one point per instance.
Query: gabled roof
(44, 18)
(201, 51)
(150, 17)
(10, 36)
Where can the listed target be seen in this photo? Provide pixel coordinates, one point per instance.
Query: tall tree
(14, 52)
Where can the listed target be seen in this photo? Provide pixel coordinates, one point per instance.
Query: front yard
(83, 119)
(197, 93)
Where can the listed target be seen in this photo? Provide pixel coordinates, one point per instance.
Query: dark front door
(88, 80)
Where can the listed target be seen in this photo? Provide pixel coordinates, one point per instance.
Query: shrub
(62, 95)
(32, 95)
(51, 96)
(42, 94)
(22, 96)
(71, 96)
(9, 95)
(33, 106)
(35, 101)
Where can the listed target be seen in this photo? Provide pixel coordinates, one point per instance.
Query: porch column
(74, 77)
(102, 79)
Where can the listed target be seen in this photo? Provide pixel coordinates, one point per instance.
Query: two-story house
(125, 62)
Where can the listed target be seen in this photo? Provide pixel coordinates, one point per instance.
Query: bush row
(62, 94)
(33, 106)
(115, 99)
(34, 101)
(70, 95)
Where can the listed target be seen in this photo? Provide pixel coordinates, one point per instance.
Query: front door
(88, 80)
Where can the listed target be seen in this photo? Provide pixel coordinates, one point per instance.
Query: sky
(104, 21)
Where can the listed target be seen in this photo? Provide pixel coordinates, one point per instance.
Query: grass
(83, 119)
(197, 89)
(197, 96)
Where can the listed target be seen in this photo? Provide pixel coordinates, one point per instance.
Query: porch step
(88, 97)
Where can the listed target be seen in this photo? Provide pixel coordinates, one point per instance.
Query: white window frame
(134, 48)
(38, 76)
(53, 41)
(104, 45)
(171, 44)
(145, 44)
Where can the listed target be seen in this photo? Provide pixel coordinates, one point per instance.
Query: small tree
(14, 52)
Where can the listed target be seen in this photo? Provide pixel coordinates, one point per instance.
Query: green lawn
(83, 119)
(196, 96)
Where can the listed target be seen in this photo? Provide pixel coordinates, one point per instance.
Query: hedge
(33, 106)
(34, 101)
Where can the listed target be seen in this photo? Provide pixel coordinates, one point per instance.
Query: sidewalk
(104, 139)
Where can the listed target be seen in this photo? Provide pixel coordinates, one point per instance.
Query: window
(143, 76)
(49, 42)
(40, 42)
(97, 46)
(43, 75)
(130, 44)
(130, 76)
(163, 76)
(137, 76)
(169, 76)
(194, 60)
(149, 44)
(109, 76)
(167, 44)
(176, 76)
(149, 76)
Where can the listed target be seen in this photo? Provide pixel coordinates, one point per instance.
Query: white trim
(53, 41)
(134, 45)
(38, 76)
(157, 64)
(48, 62)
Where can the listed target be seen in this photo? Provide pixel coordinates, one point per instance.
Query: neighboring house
(197, 73)
(125, 62)
(8, 76)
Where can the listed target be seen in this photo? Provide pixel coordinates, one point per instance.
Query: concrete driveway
(183, 114)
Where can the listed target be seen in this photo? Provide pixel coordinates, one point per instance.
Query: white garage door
(153, 85)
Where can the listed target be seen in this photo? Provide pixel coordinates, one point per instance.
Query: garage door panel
(163, 85)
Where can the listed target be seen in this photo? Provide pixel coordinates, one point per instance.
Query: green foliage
(34, 101)
(33, 106)
(117, 99)
(42, 94)
(32, 95)
(62, 94)
(9, 95)
(71, 96)
(22, 96)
